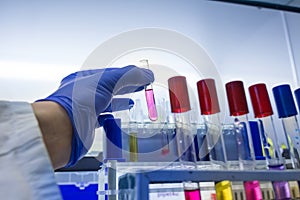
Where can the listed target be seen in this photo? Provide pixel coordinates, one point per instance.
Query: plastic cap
(208, 97)
(113, 139)
(179, 97)
(260, 100)
(236, 98)
(284, 101)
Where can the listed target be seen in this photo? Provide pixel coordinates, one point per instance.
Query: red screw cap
(236, 98)
(208, 97)
(179, 97)
(260, 100)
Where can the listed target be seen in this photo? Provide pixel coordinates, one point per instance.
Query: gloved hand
(87, 94)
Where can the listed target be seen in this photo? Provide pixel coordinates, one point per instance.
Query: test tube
(165, 130)
(149, 94)
(263, 111)
(191, 191)
(210, 110)
(224, 190)
(180, 106)
(135, 127)
(287, 112)
(258, 145)
(209, 106)
(238, 108)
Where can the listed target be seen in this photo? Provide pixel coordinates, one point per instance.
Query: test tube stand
(142, 179)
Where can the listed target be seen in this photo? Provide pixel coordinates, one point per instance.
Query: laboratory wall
(42, 41)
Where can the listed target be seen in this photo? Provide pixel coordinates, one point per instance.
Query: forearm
(56, 129)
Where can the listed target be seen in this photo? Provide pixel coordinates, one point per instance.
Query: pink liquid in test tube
(252, 190)
(152, 112)
(192, 194)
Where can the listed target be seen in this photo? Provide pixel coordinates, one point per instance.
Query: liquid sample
(165, 143)
(223, 190)
(281, 188)
(152, 112)
(133, 147)
(192, 194)
(252, 190)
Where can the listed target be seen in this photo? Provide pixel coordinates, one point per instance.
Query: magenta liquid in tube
(192, 194)
(149, 94)
(238, 108)
(151, 104)
(263, 111)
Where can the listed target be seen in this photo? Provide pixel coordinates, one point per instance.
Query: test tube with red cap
(238, 108)
(180, 107)
(209, 106)
(263, 111)
(210, 110)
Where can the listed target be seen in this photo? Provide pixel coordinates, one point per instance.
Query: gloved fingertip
(140, 88)
(102, 118)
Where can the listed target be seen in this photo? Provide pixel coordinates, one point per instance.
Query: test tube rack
(131, 180)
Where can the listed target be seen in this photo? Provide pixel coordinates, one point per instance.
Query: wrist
(56, 129)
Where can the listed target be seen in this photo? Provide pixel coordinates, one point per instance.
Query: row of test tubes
(214, 146)
(263, 112)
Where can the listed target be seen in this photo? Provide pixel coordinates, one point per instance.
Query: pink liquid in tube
(252, 190)
(152, 112)
(192, 194)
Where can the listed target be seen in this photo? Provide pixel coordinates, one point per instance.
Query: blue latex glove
(87, 94)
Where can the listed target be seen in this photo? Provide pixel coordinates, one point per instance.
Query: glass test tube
(224, 190)
(191, 191)
(180, 106)
(238, 108)
(149, 94)
(135, 127)
(263, 111)
(258, 145)
(287, 112)
(210, 110)
(164, 116)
